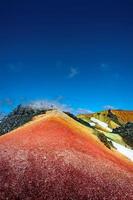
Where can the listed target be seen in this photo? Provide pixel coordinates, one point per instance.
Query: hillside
(123, 115)
(114, 124)
(56, 157)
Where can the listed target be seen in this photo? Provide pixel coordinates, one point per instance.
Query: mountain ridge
(56, 157)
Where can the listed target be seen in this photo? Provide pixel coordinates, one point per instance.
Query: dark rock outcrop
(126, 131)
(20, 116)
(113, 117)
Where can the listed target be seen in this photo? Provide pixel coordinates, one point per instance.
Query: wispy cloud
(8, 102)
(113, 71)
(73, 72)
(84, 111)
(15, 67)
(49, 104)
(104, 67)
(109, 107)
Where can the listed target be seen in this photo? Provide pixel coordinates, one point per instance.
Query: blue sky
(77, 52)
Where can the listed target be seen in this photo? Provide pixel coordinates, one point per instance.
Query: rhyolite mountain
(23, 114)
(120, 123)
(117, 124)
(52, 155)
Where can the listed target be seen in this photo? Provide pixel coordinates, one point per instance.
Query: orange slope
(55, 157)
(124, 115)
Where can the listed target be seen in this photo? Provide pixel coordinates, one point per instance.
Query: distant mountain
(57, 156)
(109, 125)
(114, 118)
(116, 125)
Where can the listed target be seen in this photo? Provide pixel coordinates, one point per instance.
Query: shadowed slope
(55, 157)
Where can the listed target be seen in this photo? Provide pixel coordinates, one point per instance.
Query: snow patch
(102, 124)
(92, 123)
(123, 150)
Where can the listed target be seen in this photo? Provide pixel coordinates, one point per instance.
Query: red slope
(55, 157)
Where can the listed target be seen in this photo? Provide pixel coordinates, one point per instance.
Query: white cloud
(49, 104)
(109, 107)
(73, 72)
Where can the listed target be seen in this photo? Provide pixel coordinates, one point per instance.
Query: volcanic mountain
(116, 125)
(113, 118)
(55, 156)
